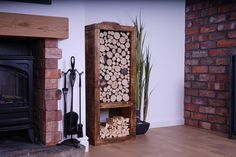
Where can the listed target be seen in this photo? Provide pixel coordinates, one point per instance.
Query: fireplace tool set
(71, 125)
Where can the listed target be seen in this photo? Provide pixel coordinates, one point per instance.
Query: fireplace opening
(13, 86)
(16, 86)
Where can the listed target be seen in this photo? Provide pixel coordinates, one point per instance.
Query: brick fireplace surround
(44, 31)
(210, 36)
(46, 75)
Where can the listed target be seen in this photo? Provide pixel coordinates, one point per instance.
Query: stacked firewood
(114, 66)
(115, 127)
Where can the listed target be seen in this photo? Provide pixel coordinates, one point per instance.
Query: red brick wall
(46, 75)
(210, 35)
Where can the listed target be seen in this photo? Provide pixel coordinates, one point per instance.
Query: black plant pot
(142, 127)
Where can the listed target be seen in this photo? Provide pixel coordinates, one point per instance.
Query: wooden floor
(179, 141)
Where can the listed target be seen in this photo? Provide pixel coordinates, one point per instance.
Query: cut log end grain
(112, 32)
(114, 127)
(117, 35)
(102, 48)
(122, 46)
(126, 97)
(107, 48)
(114, 41)
(114, 84)
(102, 41)
(107, 77)
(127, 45)
(102, 61)
(113, 98)
(122, 40)
(114, 66)
(101, 35)
(123, 53)
(117, 55)
(117, 69)
(109, 54)
(103, 94)
(113, 78)
(123, 61)
(119, 98)
(109, 62)
(124, 82)
(119, 50)
(118, 60)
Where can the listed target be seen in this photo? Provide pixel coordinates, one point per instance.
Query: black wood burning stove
(16, 94)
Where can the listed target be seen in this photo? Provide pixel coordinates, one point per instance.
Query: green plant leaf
(143, 68)
(147, 71)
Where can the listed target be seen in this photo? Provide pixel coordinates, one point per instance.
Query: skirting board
(166, 123)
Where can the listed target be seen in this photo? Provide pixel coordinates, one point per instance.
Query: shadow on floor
(18, 145)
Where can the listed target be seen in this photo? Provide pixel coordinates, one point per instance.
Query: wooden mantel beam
(21, 25)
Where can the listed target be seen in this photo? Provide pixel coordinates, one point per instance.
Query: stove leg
(31, 135)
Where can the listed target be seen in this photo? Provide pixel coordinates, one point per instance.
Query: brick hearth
(210, 41)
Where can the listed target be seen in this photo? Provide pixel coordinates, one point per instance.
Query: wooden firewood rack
(110, 55)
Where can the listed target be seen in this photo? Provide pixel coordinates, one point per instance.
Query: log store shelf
(110, 81)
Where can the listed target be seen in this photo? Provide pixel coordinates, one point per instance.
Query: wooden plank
(116, 105)
(111, 26)
(21, 25)
(133, 83)
(96, 83)
(89, 78)
(115, 140)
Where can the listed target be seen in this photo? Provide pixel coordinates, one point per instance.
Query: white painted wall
(164, 24)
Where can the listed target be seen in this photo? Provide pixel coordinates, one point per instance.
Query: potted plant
(143, 71)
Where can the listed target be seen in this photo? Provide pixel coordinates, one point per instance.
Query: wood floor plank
(178, 141)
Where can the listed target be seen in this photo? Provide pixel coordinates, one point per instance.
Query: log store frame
(93, 83)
